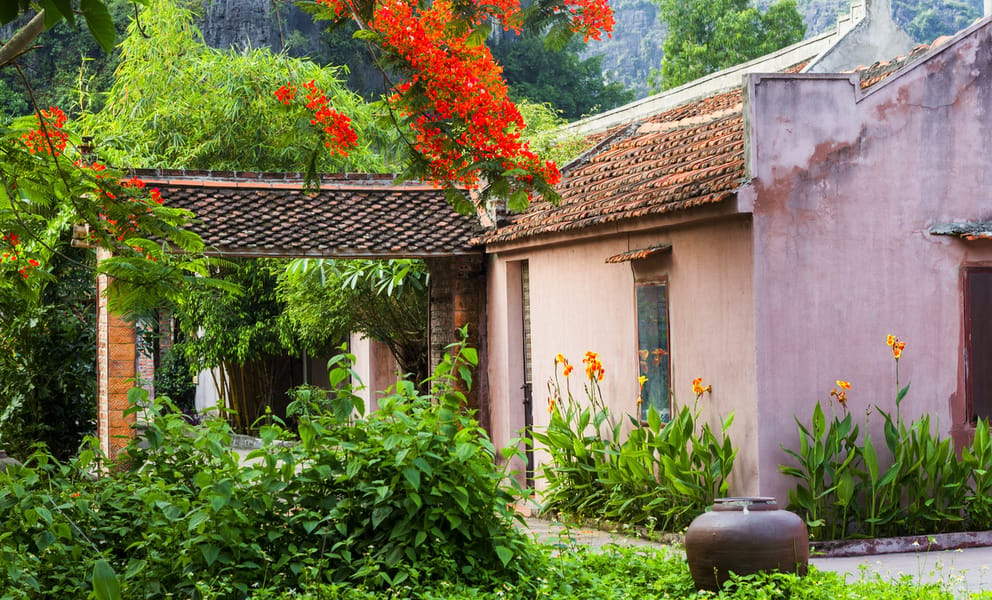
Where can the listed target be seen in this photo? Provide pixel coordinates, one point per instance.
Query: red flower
(49, 137)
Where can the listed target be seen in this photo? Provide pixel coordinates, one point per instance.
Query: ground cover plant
(910, 483)
(625, 573)
(659, 475)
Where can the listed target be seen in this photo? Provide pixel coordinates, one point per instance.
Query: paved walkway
(965, 571)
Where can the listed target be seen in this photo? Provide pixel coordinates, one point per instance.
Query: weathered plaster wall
(581, 303)
(846, 187)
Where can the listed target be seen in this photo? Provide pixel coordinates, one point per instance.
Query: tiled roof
(882, 70)
(975, 230)
(639, 254)
(688, 156)
(256, 214)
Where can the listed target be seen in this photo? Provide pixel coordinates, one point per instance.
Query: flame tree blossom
(447, 94)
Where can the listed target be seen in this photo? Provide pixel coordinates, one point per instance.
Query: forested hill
(635, 47)
(627, 57)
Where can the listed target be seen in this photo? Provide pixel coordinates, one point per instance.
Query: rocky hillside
(635, 47)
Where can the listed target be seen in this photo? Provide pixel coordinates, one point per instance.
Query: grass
(626, 573)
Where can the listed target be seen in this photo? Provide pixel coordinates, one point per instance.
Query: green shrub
(406, 496)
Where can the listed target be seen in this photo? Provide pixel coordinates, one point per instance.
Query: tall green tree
(572, 85)
(705, 36)
(177, 103)
(925, 21)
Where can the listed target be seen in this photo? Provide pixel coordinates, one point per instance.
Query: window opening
(652, 349)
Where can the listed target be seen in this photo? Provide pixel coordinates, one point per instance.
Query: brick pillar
(116, 360)
(458, 298)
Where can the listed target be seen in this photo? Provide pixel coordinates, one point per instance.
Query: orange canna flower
(896, 345)
(560, 359)
(840, 392)
(698, 387)
(594, 368)
(567, 370)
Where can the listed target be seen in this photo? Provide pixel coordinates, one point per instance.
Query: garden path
(965, 571)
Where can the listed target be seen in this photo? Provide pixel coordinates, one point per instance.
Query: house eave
(719, 211)
(968, 230)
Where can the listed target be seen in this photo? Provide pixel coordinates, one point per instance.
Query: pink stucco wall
(375, 367)
(580, 303)
(845, 188)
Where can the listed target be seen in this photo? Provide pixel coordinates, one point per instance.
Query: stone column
(116, 371)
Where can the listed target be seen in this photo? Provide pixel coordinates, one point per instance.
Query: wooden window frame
(971, 352)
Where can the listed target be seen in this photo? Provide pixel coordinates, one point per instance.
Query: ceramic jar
(745, 535)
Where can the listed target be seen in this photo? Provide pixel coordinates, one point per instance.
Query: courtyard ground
(966, 570)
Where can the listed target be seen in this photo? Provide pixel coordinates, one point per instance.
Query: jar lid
(745, 502)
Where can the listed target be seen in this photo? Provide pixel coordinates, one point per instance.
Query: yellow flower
(890, 340)
(642, 380)
(846, 385)
(560, 359)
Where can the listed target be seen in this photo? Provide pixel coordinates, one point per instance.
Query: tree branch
(21, 42)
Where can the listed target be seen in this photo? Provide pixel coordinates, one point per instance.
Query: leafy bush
(408, 495)
(659, 476)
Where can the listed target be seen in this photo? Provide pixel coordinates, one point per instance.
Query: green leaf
(413, 476)
(197, 519)
(518, 201)
(902, 394)
(871, 460)
(210, 553)
(100, 23)
(45, 514)
(105, 584)
(505, 554)
(464, 451)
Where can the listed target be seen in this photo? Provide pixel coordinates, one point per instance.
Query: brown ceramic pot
(744, 535)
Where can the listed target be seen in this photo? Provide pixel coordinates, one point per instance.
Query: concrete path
(965, 571)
